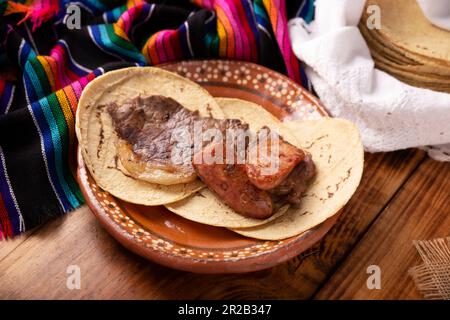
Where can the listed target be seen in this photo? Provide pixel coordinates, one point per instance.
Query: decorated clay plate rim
(185, 261)
(314, 101)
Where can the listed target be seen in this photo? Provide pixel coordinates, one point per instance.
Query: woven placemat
(432, 277)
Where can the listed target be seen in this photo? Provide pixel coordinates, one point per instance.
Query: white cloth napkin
(437, 12)
(391, 115)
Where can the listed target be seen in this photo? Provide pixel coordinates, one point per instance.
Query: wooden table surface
(404, 196)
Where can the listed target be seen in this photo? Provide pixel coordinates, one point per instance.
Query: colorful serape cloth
(45, 64)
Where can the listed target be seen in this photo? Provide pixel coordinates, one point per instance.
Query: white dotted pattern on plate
(251, 76)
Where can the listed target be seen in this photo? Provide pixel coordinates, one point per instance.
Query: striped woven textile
(44, 66)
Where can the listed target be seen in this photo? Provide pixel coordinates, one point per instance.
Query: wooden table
(404, 196)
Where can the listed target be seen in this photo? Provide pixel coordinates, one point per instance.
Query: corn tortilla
(98, 140)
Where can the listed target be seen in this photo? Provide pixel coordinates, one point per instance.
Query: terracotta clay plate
(165, 238)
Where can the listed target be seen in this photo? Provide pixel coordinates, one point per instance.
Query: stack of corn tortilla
(408, 46)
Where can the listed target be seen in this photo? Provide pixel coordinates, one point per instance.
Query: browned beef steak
(153, 126)
(148, 123)
(231, 183)
(248, 191)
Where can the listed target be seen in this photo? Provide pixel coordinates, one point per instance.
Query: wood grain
(37, 268)
(9, 245)
(383, 175)
(420, 211)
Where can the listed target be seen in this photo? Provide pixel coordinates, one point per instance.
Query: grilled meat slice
(157, 137)
(264, 173)
(145, 127)
(231, 183)
(246, 189)
(293, 187)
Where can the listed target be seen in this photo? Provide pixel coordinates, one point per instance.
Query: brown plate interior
(163, 237)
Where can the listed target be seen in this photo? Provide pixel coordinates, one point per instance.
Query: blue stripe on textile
(184, 41)
(96, 37)
(117, 12)
(32, 83)
(103, 40)
(94, 6)
(56, 141)
(8, 200)
(307, 11)
(26, 53)
(304, 78)
(113, 15)
(251, 18)
(49, 155)
(98, 72)
(261, 16)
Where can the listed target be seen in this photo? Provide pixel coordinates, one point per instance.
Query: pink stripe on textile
(167, 34)
(207, 4)
(282, 35)
(127, 18)
(83, 81)
(249, 41)
(59, 54)
(229, 9)
(279, 32)
(160, 47)
(77, 88)
(241, 32)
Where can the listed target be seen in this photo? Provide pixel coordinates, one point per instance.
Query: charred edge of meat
(296, 183)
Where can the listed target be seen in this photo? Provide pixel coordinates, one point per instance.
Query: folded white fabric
(391, 115)
(437, 12)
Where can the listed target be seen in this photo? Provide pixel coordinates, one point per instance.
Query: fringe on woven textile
(37, 11)
(432, 277)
